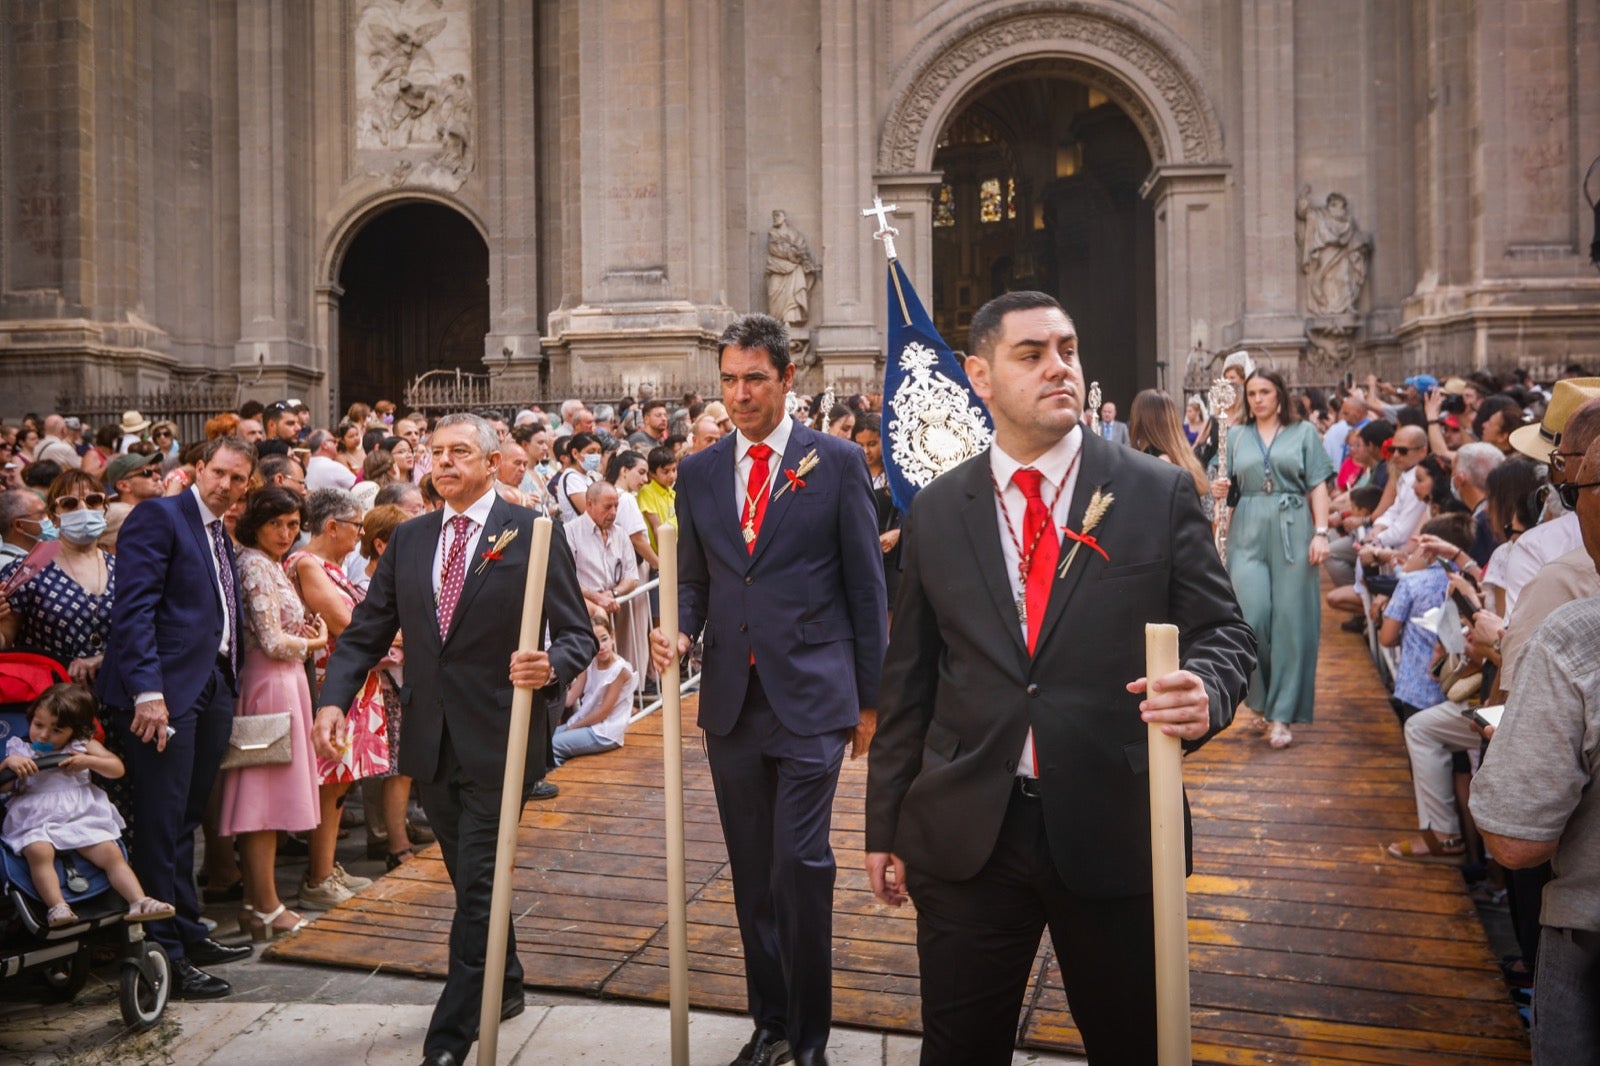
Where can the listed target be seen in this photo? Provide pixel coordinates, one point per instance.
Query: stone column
(275, 347)
(650, 147)
(845, 331)
(510, 160)
(1191, 290)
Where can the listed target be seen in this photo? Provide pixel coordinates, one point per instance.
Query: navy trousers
(775, 797)
(170, 790)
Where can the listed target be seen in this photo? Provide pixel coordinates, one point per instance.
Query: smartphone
(1488, 717)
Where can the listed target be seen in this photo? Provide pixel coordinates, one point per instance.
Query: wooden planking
(1306, 944)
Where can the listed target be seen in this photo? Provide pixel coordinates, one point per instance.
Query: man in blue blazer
(169, 681)
(780, 568)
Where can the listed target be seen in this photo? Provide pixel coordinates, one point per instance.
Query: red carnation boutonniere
(496, 549)
(797, 477)
(1099, 504)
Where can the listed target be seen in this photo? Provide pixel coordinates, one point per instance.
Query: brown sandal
(1448, 851)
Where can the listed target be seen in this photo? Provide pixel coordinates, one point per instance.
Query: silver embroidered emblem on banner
(935, 425)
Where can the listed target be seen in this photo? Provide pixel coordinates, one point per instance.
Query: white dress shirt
(478, 511)
(1060, 474)
(1544, 543)
(1404, 515)
(325, 473)
(602, 559)
(778, 441)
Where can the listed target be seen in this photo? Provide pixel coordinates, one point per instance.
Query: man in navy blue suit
(169, 681)
(780, 567)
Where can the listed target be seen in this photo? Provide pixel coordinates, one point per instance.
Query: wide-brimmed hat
(715, 410)
(134, 422)
(1537, 442)
(1453, 386)
(125, 464)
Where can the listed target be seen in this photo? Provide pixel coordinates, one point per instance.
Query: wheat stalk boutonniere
(797, 476)
(1099, 503)
(497, 549)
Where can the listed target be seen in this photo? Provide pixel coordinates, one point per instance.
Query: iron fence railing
(187, 406)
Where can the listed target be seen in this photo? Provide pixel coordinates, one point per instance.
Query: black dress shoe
(816, 1057)
(440, 1058)
(191, 982)
(542, 790)
(209, 953)
(510, 1008)
(765, 1048)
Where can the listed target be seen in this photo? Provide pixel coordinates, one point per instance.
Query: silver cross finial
(885, 232)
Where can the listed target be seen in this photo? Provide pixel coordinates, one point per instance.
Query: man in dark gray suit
(453, 581)
(1007, 788)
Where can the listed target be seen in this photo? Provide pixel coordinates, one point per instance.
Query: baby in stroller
(61, 809)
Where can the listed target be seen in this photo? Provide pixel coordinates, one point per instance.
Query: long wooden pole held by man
(505, 855)
(672, 782)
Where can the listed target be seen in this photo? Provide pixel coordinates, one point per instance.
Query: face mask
(591, 463)
(388, 420)
(47, 530)
(42, 748)
(1455, 490)
(83, 526)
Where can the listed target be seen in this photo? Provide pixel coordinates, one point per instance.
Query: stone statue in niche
(415, 111)
(1334, 254)
(790, 273)
(1334, 257)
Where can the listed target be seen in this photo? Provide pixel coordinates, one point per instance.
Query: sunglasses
(1400, 449)
(1569, 493)
(145, 471)
(163, 433)
(93, 500)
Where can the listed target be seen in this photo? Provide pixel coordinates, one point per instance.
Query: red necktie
(455, 572)
(756, 494)
(1039, 533)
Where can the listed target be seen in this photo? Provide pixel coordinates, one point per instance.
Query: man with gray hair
(1470, 480)
(54, 444)
(453, 581)
(23, 515)
(323, 470)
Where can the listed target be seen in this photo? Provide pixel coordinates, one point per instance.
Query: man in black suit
(453, 581)
(1007, 788)
(782, 570)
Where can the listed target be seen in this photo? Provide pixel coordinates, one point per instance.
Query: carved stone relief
(1334, 257)
(1053, 24)
(414, 98)
(790, 273)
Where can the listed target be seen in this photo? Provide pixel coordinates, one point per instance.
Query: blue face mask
(83, 526)
(591, 463)
(47, 531)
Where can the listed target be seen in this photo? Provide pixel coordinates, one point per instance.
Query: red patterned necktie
(756, 494)
(455, 572)
(1039, 533)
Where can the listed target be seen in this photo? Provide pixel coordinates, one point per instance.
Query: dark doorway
(1041, 191)
(416, 298)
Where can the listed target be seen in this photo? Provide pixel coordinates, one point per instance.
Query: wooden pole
(672, 781)
(1167, 862)
(505, 854)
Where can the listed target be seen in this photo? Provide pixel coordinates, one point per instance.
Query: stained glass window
(944, 207)
(989, 206)
(1011, 198)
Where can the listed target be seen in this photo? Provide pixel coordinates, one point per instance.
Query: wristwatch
(1320, 531)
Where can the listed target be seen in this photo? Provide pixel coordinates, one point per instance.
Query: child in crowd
(1423, 585)
(60, 809)
(602, 696)
(657, 499)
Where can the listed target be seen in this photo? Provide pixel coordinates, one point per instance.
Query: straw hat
(134, 422)
(1537, 442)
(1453, 386)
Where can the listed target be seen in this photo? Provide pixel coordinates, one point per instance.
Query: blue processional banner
(932, 420)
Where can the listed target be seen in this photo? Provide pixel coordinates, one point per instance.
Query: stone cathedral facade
(329, 198)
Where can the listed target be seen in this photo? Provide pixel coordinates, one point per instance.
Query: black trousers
(775, 797)
(465, 816)
(976, 942)
(169, 792)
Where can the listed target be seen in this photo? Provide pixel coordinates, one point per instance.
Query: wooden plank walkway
(1307, 946)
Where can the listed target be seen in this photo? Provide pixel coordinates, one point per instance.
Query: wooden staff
(1221, 397)
(1167, 864)
(672, 781)
(505, 854)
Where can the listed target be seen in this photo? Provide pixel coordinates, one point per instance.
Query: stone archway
(1149, 73)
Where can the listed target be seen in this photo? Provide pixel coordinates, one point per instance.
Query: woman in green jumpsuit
(1277, 539)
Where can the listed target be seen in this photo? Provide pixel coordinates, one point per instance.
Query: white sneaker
(350, 881)
(325, 896)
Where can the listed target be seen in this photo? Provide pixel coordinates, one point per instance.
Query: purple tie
(230, 599)
(455, 572)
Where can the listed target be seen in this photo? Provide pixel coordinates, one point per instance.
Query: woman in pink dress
(334, 518)
(258, 801)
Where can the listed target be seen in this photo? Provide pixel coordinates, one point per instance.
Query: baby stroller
(63, 956)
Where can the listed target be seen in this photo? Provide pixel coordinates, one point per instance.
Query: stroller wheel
(66, 978)
(146, 985)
